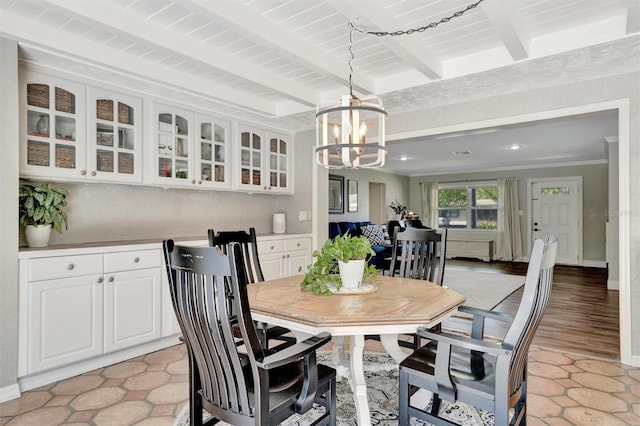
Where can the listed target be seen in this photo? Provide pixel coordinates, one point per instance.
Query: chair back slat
(535, 298)
(203, 282)
(248, 242)
(419, 254)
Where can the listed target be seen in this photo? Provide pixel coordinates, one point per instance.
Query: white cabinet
(132, 298)
(283, 256)
(74, 307)
(213, 152)
(172, 152)
(52, 127)
(114, 137)
(264, 160)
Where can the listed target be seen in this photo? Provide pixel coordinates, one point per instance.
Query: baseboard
(54, 375)
(10, 392)
(635, 361)
(613, 284)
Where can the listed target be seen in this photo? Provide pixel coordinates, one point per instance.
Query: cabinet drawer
(130, 260)
(270, 247)
(297, 244)
(48, 268)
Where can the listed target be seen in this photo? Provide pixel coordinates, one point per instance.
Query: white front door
(556, 210)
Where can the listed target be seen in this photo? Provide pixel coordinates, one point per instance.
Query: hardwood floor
(582, 316)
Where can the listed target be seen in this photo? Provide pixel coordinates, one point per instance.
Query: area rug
(382, 391)
(483, 290)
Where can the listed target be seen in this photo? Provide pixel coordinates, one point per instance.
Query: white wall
(594, 197)
(9, 218)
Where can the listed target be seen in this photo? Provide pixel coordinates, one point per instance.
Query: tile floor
(564, 389)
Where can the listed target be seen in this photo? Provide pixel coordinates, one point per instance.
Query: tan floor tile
(124, 370)
(628, 396)
(163, 410)
(636, 409)
(544, 386)
(571, 368)
(157, 421)
(628, 380)
(146, 380)
(630, 418)
(95, 372)
(555, 421)
(564, 401)
(82, 416)
(98, 398)
(113, 382)
(59, 401)
(597, 381)
(568, 383)
(123, 414)
(542, 406)
(48, 416)
(179, 378)
(77, 424)
(77, 385)
(171, 393)
(532, 421)
(597, 399)
(28, 401)
(583, 416)
(634, 373)
(155, 367)
(179, 367)
(164, 357)
(546, 370)
(635, 389)
(138, 395)
(600, 367)
(548, 357)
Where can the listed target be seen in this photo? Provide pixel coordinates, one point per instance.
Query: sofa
(377, 234)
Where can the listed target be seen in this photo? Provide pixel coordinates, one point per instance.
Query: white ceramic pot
(351, 273)
(38, 236)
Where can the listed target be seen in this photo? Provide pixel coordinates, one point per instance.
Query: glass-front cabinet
(52, 127)
(115, 144)
(174, 146)
(213, 148)
(264, 160)
(278, 162)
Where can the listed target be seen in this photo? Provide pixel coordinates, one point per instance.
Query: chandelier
(351, 133)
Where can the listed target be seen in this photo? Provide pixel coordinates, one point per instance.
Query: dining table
(385, 306)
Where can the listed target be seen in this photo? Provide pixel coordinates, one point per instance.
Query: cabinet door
(297, 262)
(212, 159)
(114, 137)
(173, 146)
(251, 148)
(52, 127)
(278, 159)
(272, 265)
(65, 321)
(132, 308)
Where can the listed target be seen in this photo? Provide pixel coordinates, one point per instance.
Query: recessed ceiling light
(515, 147)
(461, 152)
(403, 158)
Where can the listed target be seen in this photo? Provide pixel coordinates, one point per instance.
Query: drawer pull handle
(271, 248)
(71, 266)
(136, 260)
(100, 280)
(110, 279)
(298, 244)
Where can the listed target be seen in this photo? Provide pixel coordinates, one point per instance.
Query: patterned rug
(381, 375)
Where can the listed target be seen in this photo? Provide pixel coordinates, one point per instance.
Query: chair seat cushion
(469, 372)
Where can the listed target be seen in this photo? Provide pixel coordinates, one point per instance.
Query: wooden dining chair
(419, 254)
(490, 376)
(249, 387)
(252, 273)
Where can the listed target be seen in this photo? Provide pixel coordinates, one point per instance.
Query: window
(468, 206)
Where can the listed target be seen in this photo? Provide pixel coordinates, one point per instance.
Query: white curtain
(509, 241)
(429, 204)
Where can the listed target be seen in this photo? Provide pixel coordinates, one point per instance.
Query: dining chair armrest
(295, 352)
(486, 313)
(465, 342)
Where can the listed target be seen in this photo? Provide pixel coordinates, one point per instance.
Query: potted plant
(331, 269)
(41, 209)
(398, 209)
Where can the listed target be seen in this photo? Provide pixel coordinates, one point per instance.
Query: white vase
(351, 273)
(38, 236)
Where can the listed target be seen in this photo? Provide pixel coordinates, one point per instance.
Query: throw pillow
(385, 235)
(374, 234)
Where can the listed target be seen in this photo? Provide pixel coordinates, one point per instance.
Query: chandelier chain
(351, 57)
(417, 30)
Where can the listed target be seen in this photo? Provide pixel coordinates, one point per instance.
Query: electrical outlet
(302, 216)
